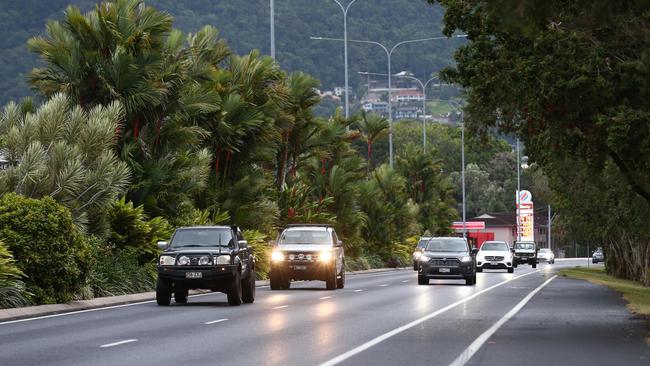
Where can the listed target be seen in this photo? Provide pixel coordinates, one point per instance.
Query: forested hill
(245, 25)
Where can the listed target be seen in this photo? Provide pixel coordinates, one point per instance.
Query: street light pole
(272, 6)
(389, 53)
(345, 9)
(424, 105)
(462, 159)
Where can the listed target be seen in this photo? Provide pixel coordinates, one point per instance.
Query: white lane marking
(383, 285)
(325, 297)
(215, 321)
(405, 281)
(478, 343)
(351, 277)
(358, 290)
(338, 359)
(280, 307)
(118, 343)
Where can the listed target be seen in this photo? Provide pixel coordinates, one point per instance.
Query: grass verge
(637, 295)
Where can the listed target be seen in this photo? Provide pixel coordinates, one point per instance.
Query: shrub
(46, 246)
(12, 290)
(117, 272)
(261, 251)
(131, 228)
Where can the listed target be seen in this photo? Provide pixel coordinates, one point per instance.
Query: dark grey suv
(206, 257)
(447, 258)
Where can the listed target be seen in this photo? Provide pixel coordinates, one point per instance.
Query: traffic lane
(298, 335)
(571, 322)
(440, 339)
(46, 339)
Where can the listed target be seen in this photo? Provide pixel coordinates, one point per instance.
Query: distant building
(503, 226)
(340, 91)
(407, 112)
(380, 108)
(407, 95)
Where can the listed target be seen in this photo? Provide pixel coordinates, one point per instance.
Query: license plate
(300, 268)
(444, 270)
(193, 275)
(494, 263)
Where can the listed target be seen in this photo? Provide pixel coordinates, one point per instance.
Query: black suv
(206, 257)
(447, 258)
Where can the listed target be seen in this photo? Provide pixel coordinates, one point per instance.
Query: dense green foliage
(245, 26)
(571, 80)
(65, 153)
(55, 257)
(12, 289)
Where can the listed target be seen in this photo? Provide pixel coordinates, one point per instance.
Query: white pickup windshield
(316, 237)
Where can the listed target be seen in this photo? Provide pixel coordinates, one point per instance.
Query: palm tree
(372, 128)
(64, 152)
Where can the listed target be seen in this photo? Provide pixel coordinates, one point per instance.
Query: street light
(389, 53)
(272, 15)
(424, 103)
(424, 85)
(345, 9)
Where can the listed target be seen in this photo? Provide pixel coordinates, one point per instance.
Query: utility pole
(548, 240)
(272, 6)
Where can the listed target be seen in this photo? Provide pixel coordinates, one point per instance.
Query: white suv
(495, 255)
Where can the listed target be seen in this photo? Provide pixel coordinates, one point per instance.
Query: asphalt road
(530, 317)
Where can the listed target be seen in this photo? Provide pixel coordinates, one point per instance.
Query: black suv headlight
(167, 260)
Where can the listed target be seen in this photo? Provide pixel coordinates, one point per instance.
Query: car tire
(511, 270)
(340, 282)
(593, 261)
(514, 264)
(330, 281)
(534, 264)
(248, 288)
(180, 295)
(276, 281)
(235, 291)
(479, 269)
(415, 266)
(423, 280)
(471, 281)
(163, 292)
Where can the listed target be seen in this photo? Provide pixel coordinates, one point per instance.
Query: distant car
(526, 252)
(598, 256)
(206, 257)
(308, 252)
(418, 251)
(545, 255)
(447, 258)
(494, 255)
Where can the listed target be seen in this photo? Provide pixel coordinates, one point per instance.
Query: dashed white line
(325, 297)
(358, 290)
(215, 321)
(280, 307)
(118, 343)
(340, 358)
(462, 359)
(383, 285)
(405, 281)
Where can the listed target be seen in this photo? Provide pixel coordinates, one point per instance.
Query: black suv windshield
(423, 243)
(202, 237)
(317, 237)
(524, 246)
(447, 245)
(495, 246)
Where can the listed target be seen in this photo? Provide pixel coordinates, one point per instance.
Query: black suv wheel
(278, 282)
(163, 292)
(471, 281)
(330, 281)
(180, 295)
(235, 291)
(248, 288)
(423, 280)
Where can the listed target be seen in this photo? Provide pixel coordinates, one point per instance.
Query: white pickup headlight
(325, 256)
(277, 256)
(417, 254)
(167, 260)
(424, 258)
(222, 259)
(466, 259)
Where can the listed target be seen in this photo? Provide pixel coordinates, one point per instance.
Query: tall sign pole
(272, 5)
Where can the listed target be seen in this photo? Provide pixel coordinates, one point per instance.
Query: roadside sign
(469, 225)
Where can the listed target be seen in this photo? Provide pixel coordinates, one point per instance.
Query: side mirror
(512, 250)
(162, 245)
(339, 243)
(474, 251)
(243, 244)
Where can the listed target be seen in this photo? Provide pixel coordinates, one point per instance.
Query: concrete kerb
(100, 302)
